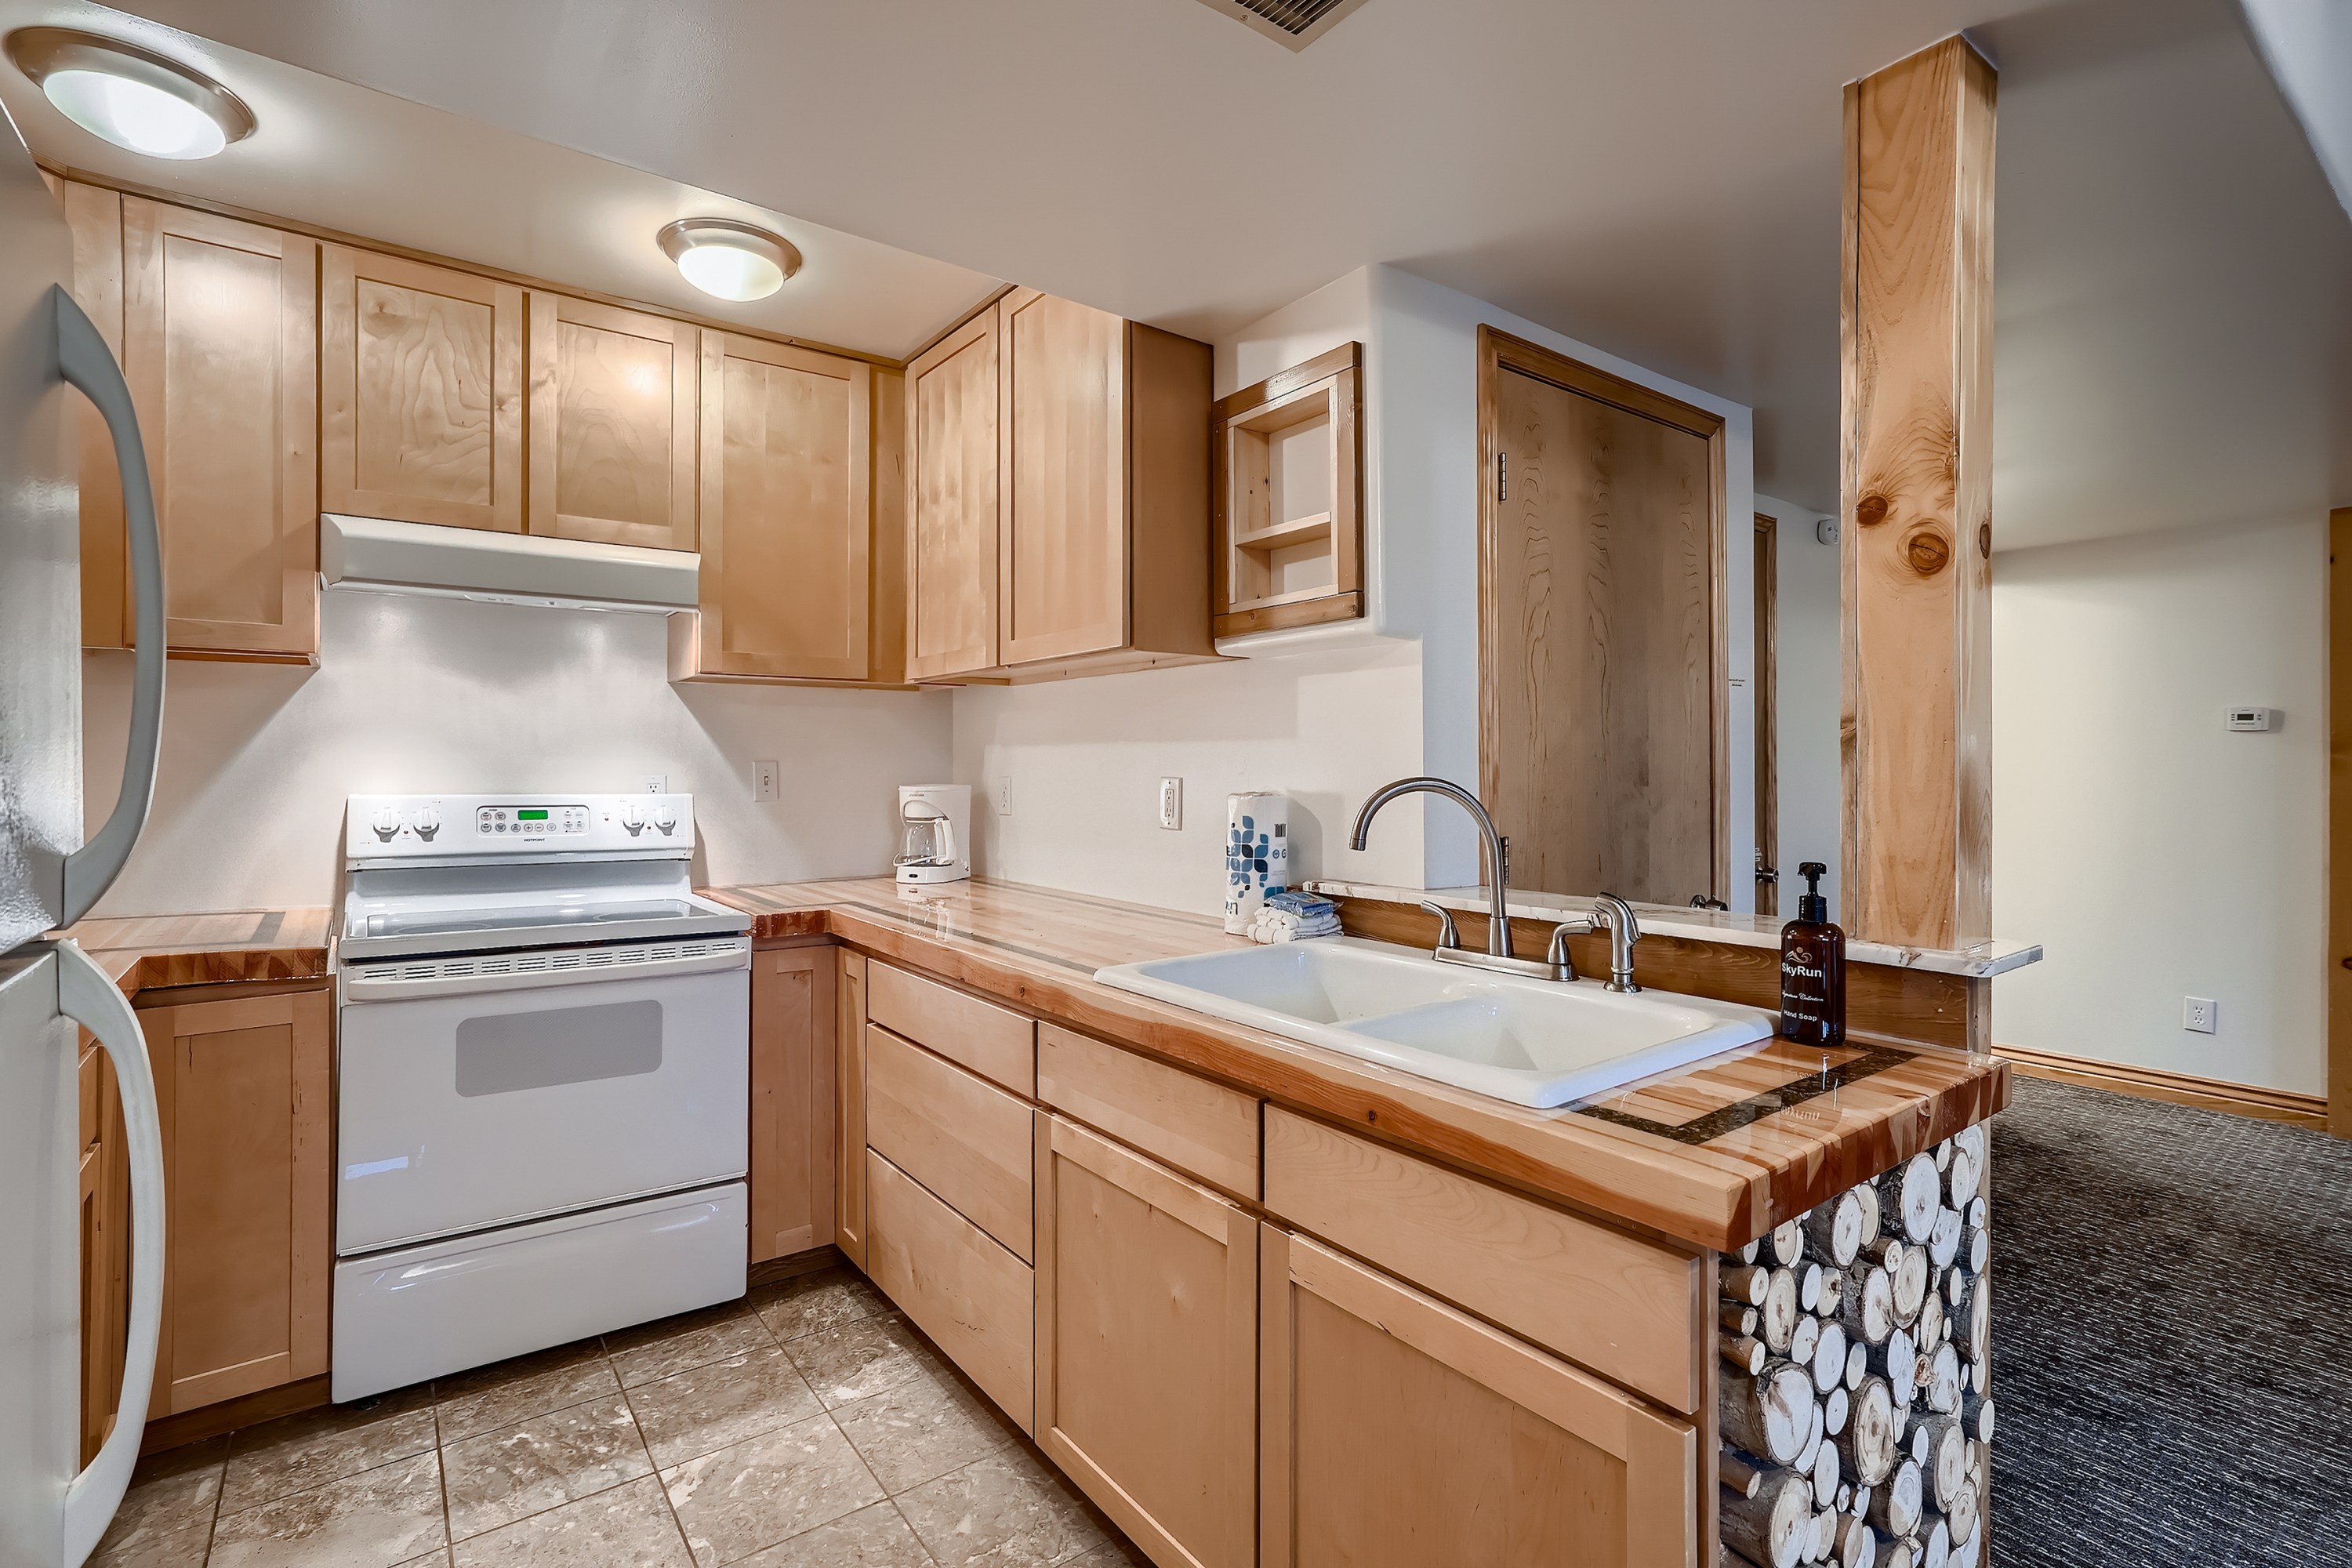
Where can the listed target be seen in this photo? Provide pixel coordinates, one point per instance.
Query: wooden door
(793, 1109)
(1767, 679)
(95, 217)
(243, 1088)
(612, 424)
(1146, 1347)
(786, 519)
(849, 1132)
(220, 334)
(105, 1236)
(420, 392)
(951, 550)
(1601, 744)
(1394, 1430)
(1062, 550)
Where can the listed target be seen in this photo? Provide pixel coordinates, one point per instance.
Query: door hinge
(1501, 476)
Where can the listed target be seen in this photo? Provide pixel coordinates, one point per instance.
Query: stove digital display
(530, 813)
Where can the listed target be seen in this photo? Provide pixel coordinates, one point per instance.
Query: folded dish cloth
(1288, 916)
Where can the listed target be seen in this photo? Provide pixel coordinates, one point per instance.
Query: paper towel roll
(1257, 853)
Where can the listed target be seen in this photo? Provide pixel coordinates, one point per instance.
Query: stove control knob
(633, 818)
(428, 823)
(666, 817)
(386, 823)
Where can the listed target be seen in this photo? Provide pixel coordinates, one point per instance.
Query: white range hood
(386, 557)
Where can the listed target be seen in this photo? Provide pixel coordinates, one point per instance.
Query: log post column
(1915, 428)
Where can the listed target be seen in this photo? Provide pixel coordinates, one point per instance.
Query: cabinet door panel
(792, 1056)
(849, 1136)
(219, 347)
(952, 554)
(612, 396)
(421, 393)
(785, 518)
(1397, 1431)
(1063, 550)
(1146, 1347)
(242, 1087)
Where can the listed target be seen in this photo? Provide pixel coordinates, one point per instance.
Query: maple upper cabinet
(612, 424)
(786, 515)
(420, 392)
(951, 395)
(1058, 495)
(241, 1086)
(219, 345)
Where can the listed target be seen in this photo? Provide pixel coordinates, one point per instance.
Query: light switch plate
(2197, 1015)
(1172, 804)
(763, 781)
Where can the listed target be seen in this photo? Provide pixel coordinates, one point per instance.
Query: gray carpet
(2173, 1333)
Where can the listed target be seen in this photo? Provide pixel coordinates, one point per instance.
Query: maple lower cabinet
(420, 392)
(793, 1106)
(242, 1087)
(786, 515)
(1395, 1432)
(1058, 495)
(104, 1224)
(219, 345)
(612, 424)
(1146, 1347)
(849, 1128)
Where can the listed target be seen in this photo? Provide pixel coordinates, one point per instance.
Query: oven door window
(503, 1053)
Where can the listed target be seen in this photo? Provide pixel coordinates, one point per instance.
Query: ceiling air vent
(1293, 24)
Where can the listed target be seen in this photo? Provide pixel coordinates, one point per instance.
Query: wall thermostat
(1826, 530)
(2253, 718)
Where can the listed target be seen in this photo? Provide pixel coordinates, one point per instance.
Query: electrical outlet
(1005, 796)
(763, 781)
(1172, 804)
(2198, 1014)
(657, 783)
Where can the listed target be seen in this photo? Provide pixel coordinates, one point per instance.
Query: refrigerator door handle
(85, 361)
(89, 998)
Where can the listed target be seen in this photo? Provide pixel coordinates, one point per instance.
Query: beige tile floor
(807, 1425)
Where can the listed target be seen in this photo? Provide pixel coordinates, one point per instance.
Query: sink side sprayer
(1608, 909)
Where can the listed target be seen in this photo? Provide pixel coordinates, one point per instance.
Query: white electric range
(543, 1098)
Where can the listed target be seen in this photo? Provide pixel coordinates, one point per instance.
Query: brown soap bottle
(1812, 968)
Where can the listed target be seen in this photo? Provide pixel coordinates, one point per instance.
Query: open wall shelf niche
(1289, 485)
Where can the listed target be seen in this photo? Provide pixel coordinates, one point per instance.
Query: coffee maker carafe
(934, 834)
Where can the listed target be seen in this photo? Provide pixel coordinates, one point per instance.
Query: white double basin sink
(1531, 1042)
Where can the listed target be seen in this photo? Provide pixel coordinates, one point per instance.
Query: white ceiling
(370, 163)
(2175, 283)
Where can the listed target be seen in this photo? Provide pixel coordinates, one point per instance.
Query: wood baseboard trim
(245, 1410)
(2180, 1088)
(774, 1270)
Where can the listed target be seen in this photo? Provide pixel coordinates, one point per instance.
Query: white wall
(2155, 854)
(1085, 758)
(1807, 649)
(423, 695)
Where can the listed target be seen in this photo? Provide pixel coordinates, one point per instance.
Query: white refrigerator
(50, 877)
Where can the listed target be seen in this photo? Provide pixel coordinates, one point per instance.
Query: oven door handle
(385, 980)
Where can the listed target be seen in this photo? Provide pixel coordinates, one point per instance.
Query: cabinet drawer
(991, 1040)
(1626, 1307)
(959, 1135)
(976, 1301)
(1199, 1127)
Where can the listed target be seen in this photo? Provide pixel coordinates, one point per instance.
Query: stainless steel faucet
(1625, 930)
(1449, 949)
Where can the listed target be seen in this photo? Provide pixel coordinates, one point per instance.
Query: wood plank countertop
(146, 952)
(1714, 1154)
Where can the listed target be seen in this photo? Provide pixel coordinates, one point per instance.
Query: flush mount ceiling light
(131, 97)
(732, 260)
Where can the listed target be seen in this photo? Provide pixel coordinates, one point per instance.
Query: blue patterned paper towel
(1257, 854)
